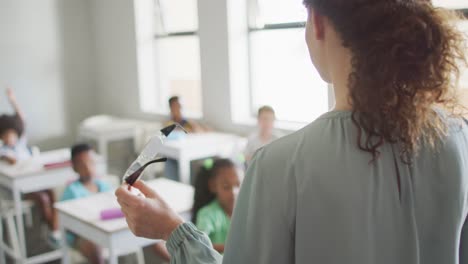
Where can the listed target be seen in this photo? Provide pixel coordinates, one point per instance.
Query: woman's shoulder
(316, 131)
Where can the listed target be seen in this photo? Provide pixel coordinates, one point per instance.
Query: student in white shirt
(264, 134)
(14, 144)
(14, 148)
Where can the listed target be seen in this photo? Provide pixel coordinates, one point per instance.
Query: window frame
(174, 35)
(255, 26)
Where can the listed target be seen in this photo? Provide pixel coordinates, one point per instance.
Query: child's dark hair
(173, 99)
(78, 149)
(8, 122)
(203, 195)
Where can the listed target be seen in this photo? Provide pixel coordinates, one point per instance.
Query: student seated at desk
(84, 165)
(175, 108)
(216, 189)
(14, 148)
(264, 134)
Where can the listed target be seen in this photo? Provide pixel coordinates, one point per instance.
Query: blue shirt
(77, 190)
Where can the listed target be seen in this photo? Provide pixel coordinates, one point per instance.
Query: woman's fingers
(125, 197)
(145, 189)
(142, 213)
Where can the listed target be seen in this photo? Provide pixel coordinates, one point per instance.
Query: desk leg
(2, 252)
(64, 246)
(113, 258)
(20, 223)
(184, 170)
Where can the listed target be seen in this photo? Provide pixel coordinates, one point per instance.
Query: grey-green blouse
(314, 197)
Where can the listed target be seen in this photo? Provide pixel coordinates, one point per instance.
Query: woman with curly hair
(383, 178)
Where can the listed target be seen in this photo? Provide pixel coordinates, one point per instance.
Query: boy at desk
(14, 148)
(84, 164)
(176, 116)
(175, 108)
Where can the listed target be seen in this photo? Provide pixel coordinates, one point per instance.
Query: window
(464, 74)
(451, 4)
(281, 73)
(177, 55)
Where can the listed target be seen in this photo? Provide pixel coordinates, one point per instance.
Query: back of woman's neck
(340, 70)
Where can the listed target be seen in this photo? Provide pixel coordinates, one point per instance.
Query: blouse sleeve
(188, 245)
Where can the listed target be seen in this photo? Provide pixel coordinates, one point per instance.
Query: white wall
(78, 61)
(45, 56)
(116, 62)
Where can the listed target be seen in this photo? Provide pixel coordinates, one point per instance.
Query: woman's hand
(149, 216)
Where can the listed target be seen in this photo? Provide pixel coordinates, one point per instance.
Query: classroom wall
(46, 51)
(116, 62)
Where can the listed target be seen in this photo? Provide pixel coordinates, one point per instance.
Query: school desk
(82, 217)
(49, 170)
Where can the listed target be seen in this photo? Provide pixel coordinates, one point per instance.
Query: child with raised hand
(14, 144)
(216, 189)
(15, 148)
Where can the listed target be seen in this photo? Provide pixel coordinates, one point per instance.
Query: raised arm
(14, 103)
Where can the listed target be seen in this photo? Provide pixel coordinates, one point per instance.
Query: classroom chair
(7, 219)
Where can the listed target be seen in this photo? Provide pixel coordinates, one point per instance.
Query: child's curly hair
(8, 122)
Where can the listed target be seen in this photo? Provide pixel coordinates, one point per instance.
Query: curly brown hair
(405, 58)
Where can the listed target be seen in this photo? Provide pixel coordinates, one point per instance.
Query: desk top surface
(202, 139)
(179, 196)
(47, 161)
(114, 125)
